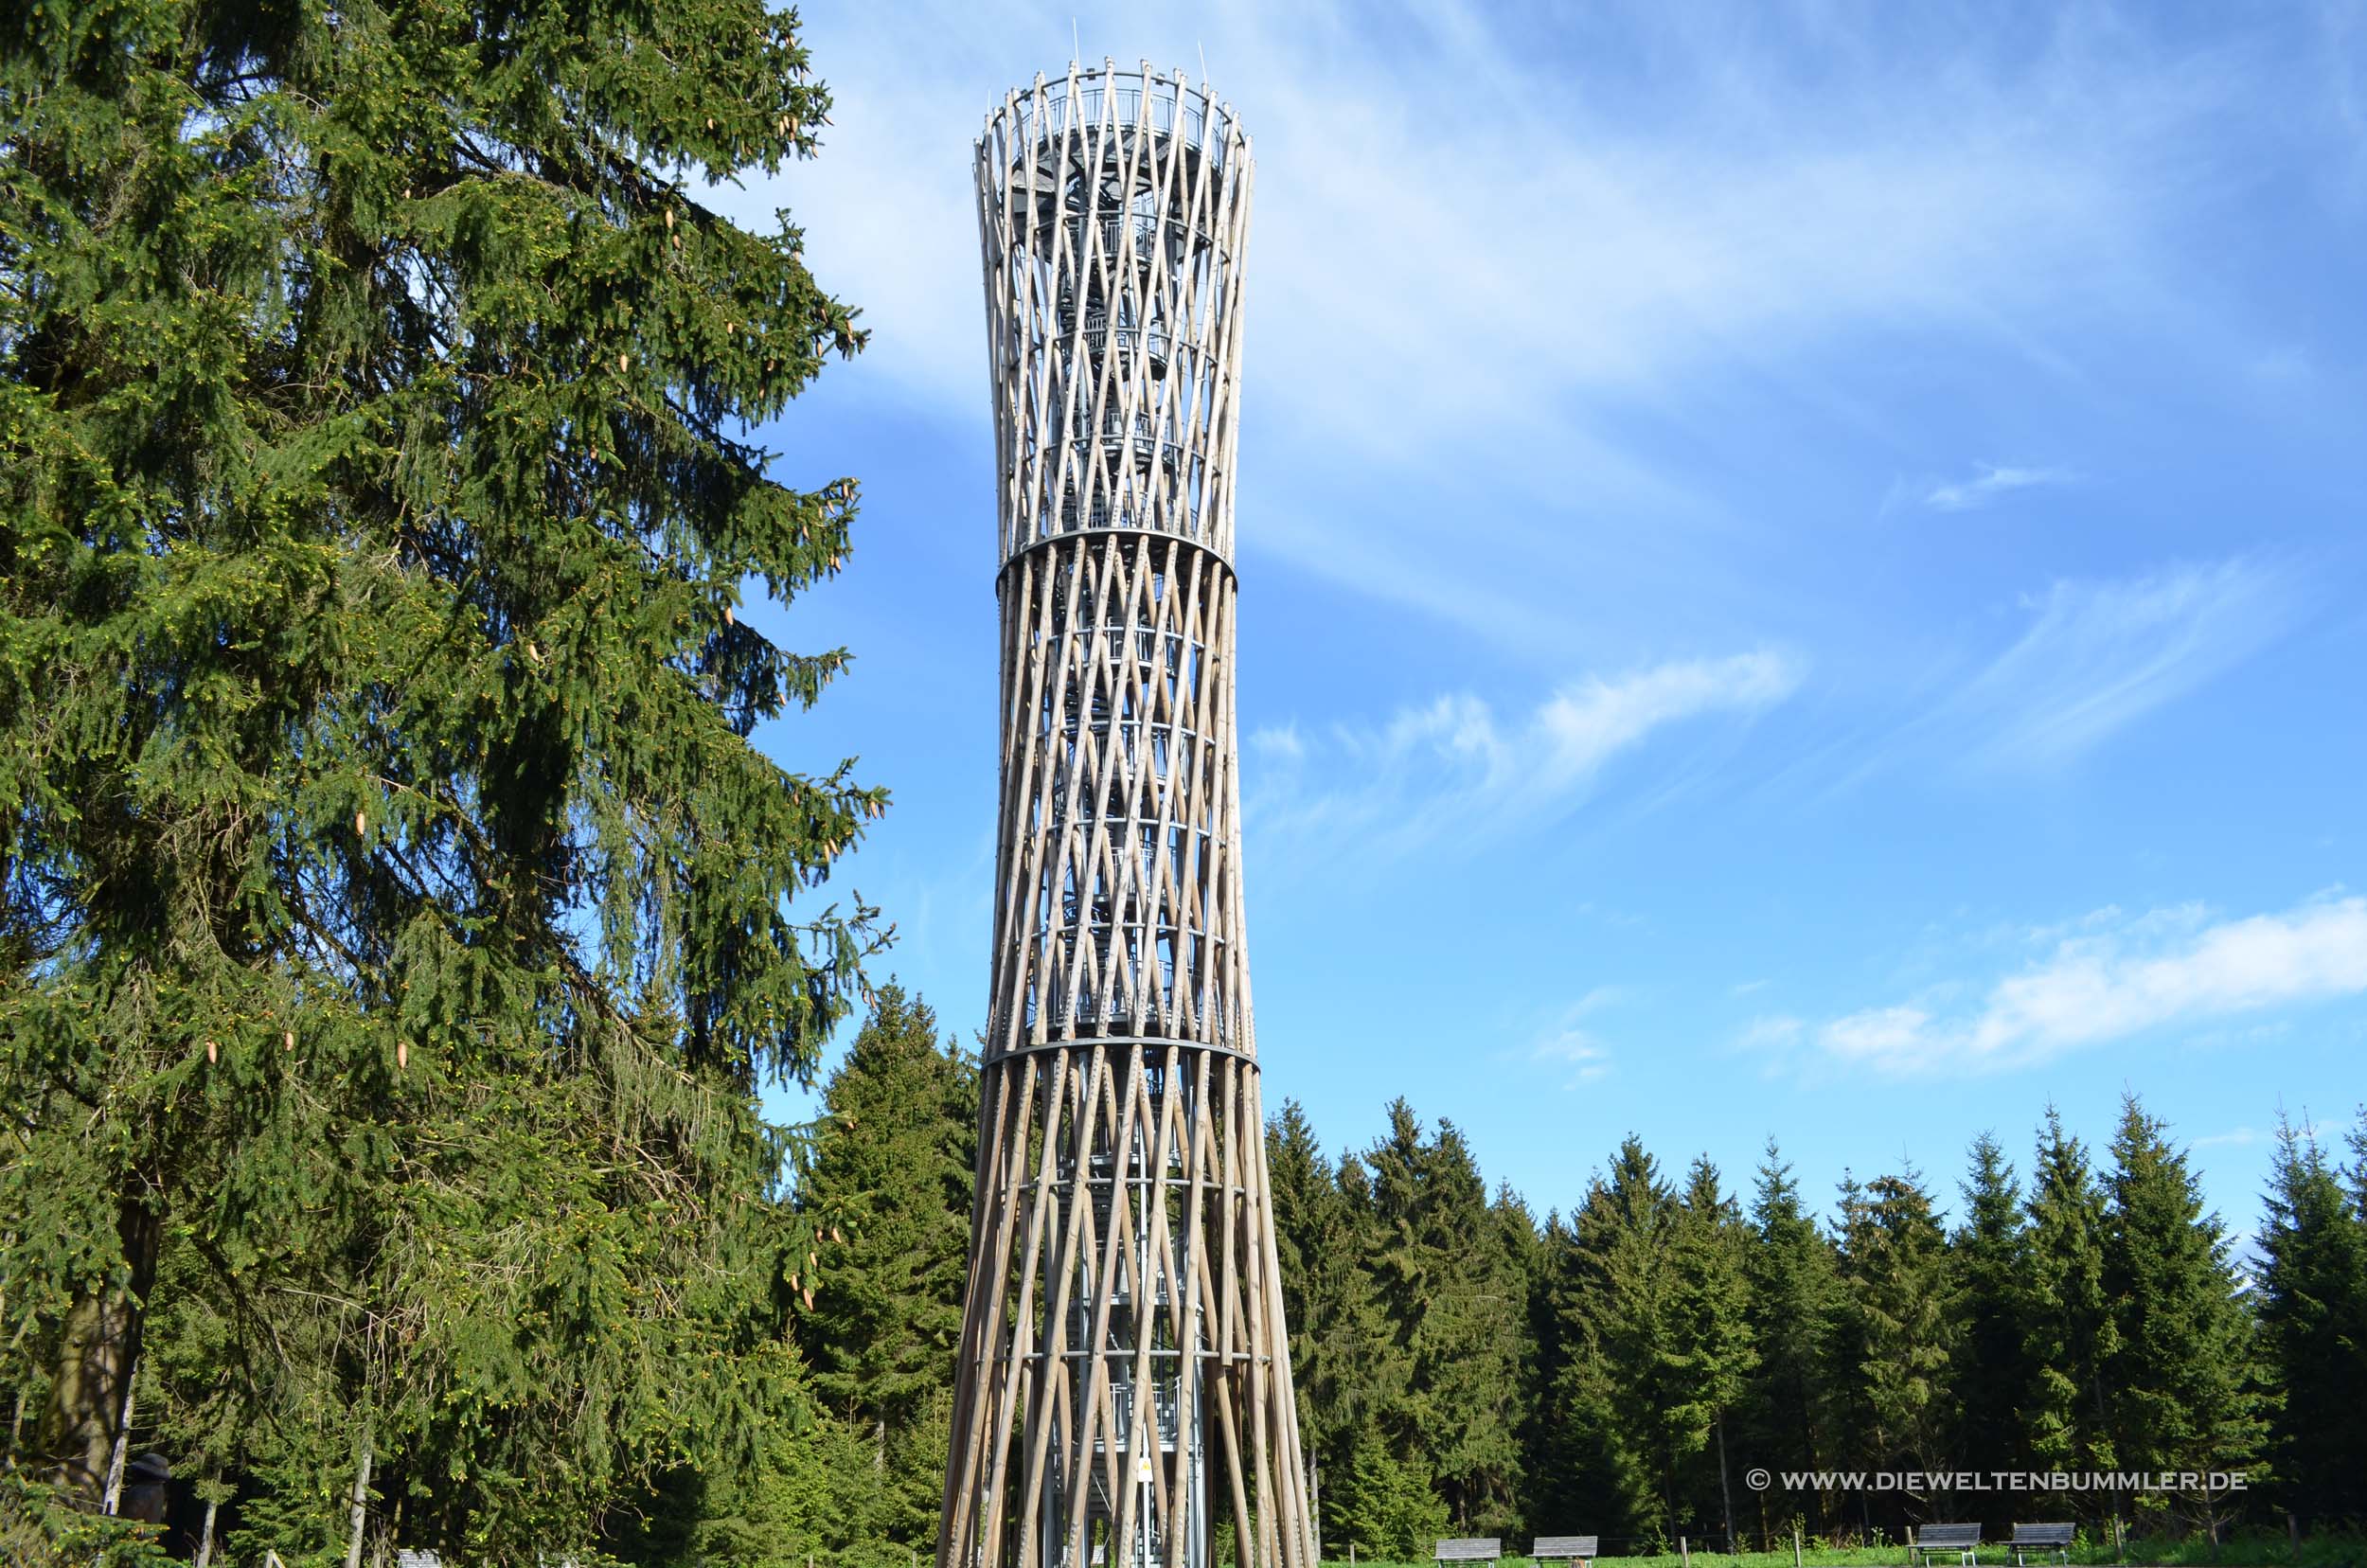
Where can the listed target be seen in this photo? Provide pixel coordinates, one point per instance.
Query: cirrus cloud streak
(2173, 969)
(1454, 767)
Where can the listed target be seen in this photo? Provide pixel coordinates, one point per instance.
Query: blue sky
(1802, 564)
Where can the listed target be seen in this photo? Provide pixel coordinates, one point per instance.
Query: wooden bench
(2042, 1538)
(1956, 1541)
(1470, 1549)
(1577, 1549)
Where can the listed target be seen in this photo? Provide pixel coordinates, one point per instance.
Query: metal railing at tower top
(1142, 98)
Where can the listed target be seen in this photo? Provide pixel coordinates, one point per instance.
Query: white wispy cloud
(1771, 1031)
(1992, 483)
(1520, 287)
(1774, 1038)
(1567, 239)
(1596, 1000)
(1278, 740)
(1586, 1058)
(2084, 660)
(1452, 767)
(2097, 656)
(1572, 1045)
(2175, 968)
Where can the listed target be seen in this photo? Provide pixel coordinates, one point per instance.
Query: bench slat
(1470, 1549)
(2043, 1534)
(1559, 1548)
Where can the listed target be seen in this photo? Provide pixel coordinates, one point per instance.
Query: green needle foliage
(396, 921)
(2313, 1328)
(2182, 1377)
(1454, 1299)
(891, 1178)
(1993, 1278)
(1710, 1354)
(2068, 1318)
(1671, 1346)
(1794, 1295)
(1900, 1324)
(2313, 1319)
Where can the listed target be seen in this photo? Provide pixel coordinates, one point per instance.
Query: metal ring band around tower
(1086, 1042)
(1048, 541)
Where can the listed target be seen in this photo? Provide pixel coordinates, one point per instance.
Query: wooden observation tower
(1124, 1392)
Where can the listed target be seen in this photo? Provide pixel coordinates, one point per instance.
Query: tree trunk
(205, 1536)
(93, 1378)
(1725, 1483)
(1316, 1503)
(360, 1506)
(112, 1502)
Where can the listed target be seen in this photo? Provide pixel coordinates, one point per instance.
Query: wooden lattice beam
(1124, 1375)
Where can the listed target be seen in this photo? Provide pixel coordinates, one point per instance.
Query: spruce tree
(1898, 1297)
(2357, 1140)
(1607, 1466)
(1517, 1254)
(1315, 1246)
(1351, 1389)
(1551, 1347)
(1793, 1285)
(1450, 1286)
(812, 1490)
(1993, 1273)
(1386, 1505)
(890, 1178)
(2313, 1326)
(1367, 1381)
(1710, 1353)
(2181, 1386)
(396, 921)
(1529, 1247)
(2069, 1322)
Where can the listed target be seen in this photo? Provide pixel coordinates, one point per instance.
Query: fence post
(1684, 1552)
(2293, 1528)
(1795, 1545)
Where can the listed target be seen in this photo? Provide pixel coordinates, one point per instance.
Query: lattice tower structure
(1124, 1384)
